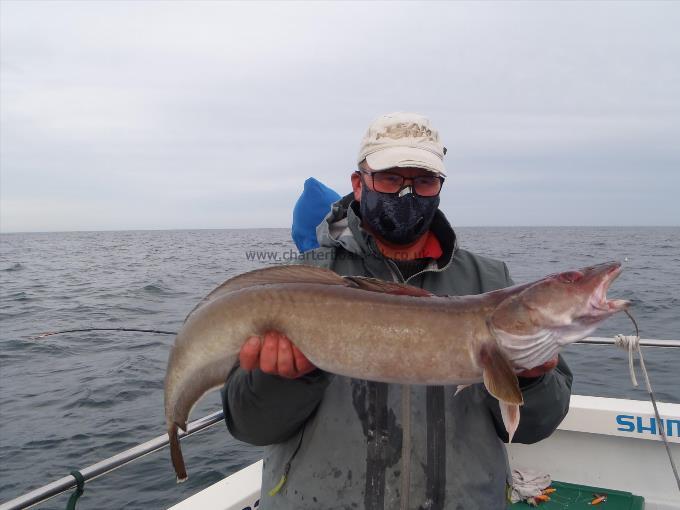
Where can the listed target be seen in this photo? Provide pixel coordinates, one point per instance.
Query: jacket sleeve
(263, 409)
(546, 402)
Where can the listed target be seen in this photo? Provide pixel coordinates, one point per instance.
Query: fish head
(580, 296)
(533, 322)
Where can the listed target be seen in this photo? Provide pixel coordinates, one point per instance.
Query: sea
(71, 400)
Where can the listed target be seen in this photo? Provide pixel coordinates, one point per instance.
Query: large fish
(381, 331)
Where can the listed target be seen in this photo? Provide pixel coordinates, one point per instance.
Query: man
(337, 442)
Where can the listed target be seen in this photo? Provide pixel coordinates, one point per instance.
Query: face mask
(397, 219)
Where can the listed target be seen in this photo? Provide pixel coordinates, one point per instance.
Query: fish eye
(570, 277)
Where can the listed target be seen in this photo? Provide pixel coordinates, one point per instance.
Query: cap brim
(401, 157)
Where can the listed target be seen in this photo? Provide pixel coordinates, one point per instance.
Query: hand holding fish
(274, 354)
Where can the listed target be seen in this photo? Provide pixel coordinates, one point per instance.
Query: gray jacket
(344, 435)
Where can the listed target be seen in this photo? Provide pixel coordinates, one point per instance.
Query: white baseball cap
(402, 140)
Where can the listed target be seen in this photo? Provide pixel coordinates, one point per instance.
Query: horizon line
(289, 228)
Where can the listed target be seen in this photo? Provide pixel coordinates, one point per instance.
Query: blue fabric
(310, 210)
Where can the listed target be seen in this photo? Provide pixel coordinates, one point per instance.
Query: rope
(80, 488)
(632, 344)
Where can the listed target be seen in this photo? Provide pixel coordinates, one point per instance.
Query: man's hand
(274, 354)
(539, 370)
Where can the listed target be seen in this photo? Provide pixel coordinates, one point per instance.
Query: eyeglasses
(423, 185)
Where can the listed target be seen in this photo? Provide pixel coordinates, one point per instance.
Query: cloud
(119, 115)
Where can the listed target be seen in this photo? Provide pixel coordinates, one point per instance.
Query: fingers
(285, 364)
(270, 353)
(549, 365)
(249, 357)
(540, 370)
(275, 355)
(302, 364)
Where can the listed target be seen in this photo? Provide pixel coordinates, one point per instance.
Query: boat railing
(69, 482)
(102, 467)
(644, 342)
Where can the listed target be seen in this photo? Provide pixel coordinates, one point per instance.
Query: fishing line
(632, 343)
(156, 331)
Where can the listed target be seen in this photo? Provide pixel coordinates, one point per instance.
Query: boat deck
(581, 497)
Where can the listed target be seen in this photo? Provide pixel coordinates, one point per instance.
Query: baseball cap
(402, 140)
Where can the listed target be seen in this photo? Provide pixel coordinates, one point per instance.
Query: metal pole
(95, 470)
(644, 342)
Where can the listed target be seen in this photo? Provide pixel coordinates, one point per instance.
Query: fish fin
(274, 275)
(501, 381)
(510, 415)
(375, 285)
(499, 376)
(307, 274)
(176, 454)
(460, 388)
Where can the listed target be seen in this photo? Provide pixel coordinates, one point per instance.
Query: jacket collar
(342, 227)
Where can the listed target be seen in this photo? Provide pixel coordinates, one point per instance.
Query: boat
(604, 446)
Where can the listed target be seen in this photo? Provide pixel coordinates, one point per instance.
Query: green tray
(576, 497)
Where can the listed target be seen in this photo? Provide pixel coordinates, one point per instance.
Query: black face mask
(398, 220)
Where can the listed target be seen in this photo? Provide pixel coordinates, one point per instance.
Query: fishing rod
(155, 331)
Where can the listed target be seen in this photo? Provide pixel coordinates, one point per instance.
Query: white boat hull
(602, 442)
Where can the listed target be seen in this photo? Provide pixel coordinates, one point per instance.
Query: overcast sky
(154, 115)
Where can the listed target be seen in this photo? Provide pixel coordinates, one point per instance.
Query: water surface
(69, 401)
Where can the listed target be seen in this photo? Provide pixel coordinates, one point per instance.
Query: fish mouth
(599, 304)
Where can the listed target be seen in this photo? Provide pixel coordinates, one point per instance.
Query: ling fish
(382, 331)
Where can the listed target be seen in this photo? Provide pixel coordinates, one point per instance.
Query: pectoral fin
(499, 376)
(460, 388)
(510, 415)
(500, 380)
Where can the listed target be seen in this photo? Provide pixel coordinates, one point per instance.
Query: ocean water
(71, 400)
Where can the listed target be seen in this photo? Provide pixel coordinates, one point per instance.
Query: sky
(180, 115)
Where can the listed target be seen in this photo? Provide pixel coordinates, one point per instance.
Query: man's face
(407, 172)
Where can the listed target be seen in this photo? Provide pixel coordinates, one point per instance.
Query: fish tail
(176, 454)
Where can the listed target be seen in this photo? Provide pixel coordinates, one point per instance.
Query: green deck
(578, 497)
